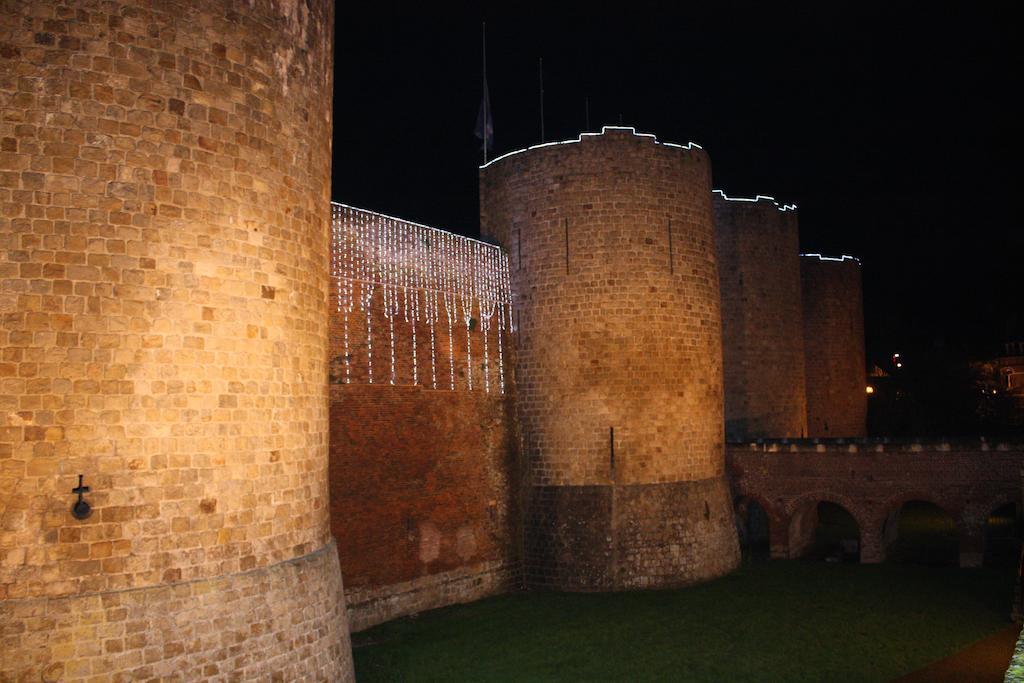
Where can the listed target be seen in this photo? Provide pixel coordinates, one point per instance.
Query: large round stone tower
(834, 346)
(619, 365)
(165, 176)
(762, 341)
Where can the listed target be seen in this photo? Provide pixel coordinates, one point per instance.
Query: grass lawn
(769, 621)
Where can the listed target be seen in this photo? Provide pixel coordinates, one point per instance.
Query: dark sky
(894, 130)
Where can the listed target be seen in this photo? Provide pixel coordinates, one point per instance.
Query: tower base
(282, 622)
(629, 536)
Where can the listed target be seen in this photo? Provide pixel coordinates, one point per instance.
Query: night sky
(893, 130)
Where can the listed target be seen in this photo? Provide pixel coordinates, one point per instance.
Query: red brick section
(968, 479)
(613, 269)
(422, 497)
(834, 346)
(165, 180)
(762, 347)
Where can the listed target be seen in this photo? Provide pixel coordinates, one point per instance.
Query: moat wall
(165, 175)
(762, 321)
(833, 317)
(619, 371)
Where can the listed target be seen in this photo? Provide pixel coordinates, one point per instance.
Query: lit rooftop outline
(838, 259)
(604, 129)
(760, 197)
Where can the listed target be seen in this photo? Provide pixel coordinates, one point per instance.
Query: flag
(485, 132)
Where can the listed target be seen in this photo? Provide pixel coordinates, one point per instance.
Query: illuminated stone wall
(165, 178)
(762, 346)
(834, 346)
(424, 467)
(619, 372)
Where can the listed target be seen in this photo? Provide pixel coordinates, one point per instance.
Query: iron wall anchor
(81, 509)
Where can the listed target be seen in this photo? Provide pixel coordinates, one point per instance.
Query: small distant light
(993, 391)
(869, 389)
(899, 365)
(895, 355)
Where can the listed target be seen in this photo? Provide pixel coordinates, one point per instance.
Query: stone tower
(762, 338)
(165, 175)
(834, 346)
(619, 367)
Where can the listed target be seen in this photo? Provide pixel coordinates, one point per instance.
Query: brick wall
(613, 269)
(423, 497)
(165, 178)
(833, 315)
(871, 479)
(762, 344)
(423, 480)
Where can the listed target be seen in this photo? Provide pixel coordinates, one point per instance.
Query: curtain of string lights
(425, 278)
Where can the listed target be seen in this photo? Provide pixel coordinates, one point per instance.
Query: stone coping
(880, 445)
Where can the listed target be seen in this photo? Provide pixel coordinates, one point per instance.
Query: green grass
(769, 621)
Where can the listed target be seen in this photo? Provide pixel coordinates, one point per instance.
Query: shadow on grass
(768, 621)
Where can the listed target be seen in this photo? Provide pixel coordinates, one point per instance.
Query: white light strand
(402, 259)
(841, 258)
(604, 129)
(758, 198)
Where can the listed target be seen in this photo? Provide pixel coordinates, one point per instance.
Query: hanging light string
(417, 270)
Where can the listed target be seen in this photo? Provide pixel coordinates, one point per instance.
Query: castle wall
(423, 477)
(619, 371)
(163, 291)
(762, 341)
(834, 346)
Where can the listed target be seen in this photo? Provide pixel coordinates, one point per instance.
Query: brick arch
(799, 538)
(772, 511)
(778, 522)
(896, 503)
(996, 502)
(859, 514)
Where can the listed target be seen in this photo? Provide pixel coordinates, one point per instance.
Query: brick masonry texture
(164, 179)
(600, 538)
(871, 479)
(423, 498)
(762, 323)
(424, 482)
(282, 622)
(613, 270)
(833, 315)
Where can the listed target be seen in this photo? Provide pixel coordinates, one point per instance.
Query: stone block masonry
(163, 287)
(762, 321)
(833, 316)
(619, 366)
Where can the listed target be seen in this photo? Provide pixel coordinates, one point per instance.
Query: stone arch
(1001, 533)
(973, 519)
(929, 544)
(803, 522)
(747, 524)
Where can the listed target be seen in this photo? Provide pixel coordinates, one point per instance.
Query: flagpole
(483, 29)
(541, 69)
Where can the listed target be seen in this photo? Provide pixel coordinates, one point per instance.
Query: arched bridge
(872, 479)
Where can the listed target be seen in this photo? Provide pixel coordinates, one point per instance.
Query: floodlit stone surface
(165, 179)
(619, 371)
(762, 324)
(834, 347)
